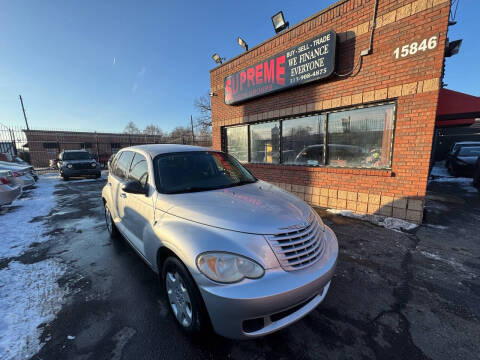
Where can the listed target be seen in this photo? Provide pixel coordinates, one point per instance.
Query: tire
(65, 178)
(476, 179)
(111, 227)
(451, 171)
(184, 299)
(98, 175)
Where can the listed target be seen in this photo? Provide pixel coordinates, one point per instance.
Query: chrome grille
(299, 248)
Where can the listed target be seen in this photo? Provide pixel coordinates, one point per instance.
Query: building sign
(309, 61)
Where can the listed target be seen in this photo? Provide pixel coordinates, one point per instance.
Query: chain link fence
(41, 147)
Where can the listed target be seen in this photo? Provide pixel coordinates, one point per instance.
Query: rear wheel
(111, 227)
(184, 299)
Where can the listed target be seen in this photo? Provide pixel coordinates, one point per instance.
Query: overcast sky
(96, 65)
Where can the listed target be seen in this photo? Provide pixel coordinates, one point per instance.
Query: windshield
(198, 171)
(76, 155)
(469, 151)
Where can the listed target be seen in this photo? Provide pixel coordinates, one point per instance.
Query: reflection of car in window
(311, 155)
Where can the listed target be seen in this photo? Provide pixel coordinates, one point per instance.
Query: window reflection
(302, 141)
(265, 143)
(361, 137)
(237, 142)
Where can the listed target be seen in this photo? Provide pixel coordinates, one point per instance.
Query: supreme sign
(309, 61)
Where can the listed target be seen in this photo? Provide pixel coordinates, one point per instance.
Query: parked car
(8, 191)
(476, 174)
(21, 175)
(457, 146)
(74, 163)
(232, 251)
(7, 165)
(462, 162)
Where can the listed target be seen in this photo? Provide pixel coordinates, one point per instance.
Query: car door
(137, 209)
(117, 180)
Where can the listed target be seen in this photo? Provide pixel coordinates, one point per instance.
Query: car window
(113, 164)
(469, 151)
(198, 171)
(139, 169)
(123, 164)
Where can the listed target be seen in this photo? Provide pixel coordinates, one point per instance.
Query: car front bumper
(80, 172)
(254, 308)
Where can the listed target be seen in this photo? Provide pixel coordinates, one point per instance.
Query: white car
(232, 251)
(8, 191)
(23, 176)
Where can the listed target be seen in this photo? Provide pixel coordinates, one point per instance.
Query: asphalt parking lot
(395, 295)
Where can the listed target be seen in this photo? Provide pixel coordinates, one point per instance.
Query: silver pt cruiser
(232, 251)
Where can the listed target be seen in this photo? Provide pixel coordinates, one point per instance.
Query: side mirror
(134, 187)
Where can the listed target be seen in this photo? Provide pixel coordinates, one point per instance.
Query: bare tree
(181, 134)
(203, 106)
(153, 130)
(131, 128)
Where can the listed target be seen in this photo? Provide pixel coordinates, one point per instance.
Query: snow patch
(452, 263)
(29, 297)
(439, 170)
(440, 174)
(387, 222)
(18, 232)
(84, 224)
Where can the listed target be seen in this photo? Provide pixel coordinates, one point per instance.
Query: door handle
(123, 195)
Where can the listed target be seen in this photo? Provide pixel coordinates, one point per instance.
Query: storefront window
(302, 141)
(361, 137)
(265, 143)
(237, 142)
(355, 138)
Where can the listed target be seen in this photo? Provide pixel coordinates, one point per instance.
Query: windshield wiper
(244, 182)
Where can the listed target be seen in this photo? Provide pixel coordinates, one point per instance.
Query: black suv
(77, 163)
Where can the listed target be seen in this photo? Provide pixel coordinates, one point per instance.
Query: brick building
(45, 145)
(306, 111)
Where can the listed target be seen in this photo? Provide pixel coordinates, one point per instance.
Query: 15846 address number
(413, 48)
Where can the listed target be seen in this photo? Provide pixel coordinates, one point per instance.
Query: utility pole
(193, 133)
(23, 108)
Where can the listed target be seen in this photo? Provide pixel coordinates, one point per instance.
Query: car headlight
(228, 268)
(94, 164)
(69, 166)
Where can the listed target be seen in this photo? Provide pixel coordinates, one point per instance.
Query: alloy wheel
(179, 298)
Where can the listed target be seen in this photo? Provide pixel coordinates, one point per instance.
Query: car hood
(258, 208)
(468, 159)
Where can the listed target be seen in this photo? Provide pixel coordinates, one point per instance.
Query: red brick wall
(412, 82)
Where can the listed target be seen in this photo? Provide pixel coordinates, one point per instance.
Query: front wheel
(181, 293)
(111, 227)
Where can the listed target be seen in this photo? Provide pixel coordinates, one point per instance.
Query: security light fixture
(217, 58)
(242, 43)
(279, 22)
(452, 47)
